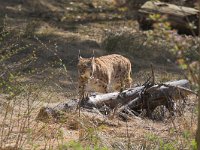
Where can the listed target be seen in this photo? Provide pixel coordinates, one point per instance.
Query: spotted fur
(104, 74)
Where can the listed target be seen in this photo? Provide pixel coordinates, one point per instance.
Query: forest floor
(55, 30)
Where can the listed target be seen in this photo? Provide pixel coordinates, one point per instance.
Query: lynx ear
(93, 54)
(93, 65)
(93, 60)
(79, 55)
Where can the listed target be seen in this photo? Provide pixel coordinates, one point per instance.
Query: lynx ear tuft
(79, 55)
(93, 54)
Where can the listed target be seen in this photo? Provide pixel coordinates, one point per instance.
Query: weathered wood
(171, 89)
(112, 99)
(134, 99)
(160, 95)
(179, 17)
(54, 113)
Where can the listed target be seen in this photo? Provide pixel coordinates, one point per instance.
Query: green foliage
(152, 137)
(186, 134)
(75, 145)
(193, 145)
(169, 146)
(153, 141)
(72, 145)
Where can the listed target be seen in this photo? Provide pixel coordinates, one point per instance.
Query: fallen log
(179, 17)
(143, 97)
(111, 100)
(164, 94)
(132, 100)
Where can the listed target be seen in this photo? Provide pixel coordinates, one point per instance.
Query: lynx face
(85, 68)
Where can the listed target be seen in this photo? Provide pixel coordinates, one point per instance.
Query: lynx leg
(122, 85)
(128, 80)
(81, 89)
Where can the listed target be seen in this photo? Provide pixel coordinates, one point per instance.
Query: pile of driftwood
(127, 103)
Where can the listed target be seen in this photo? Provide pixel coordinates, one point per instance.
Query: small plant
(75, 145)
(193, 145)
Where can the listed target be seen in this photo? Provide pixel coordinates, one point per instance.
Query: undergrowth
(21, 97)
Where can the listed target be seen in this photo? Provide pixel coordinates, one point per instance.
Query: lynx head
(86, 67)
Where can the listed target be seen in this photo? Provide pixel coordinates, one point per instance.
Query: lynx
(104, 74)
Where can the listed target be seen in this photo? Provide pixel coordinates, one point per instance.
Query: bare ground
(57, 30)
